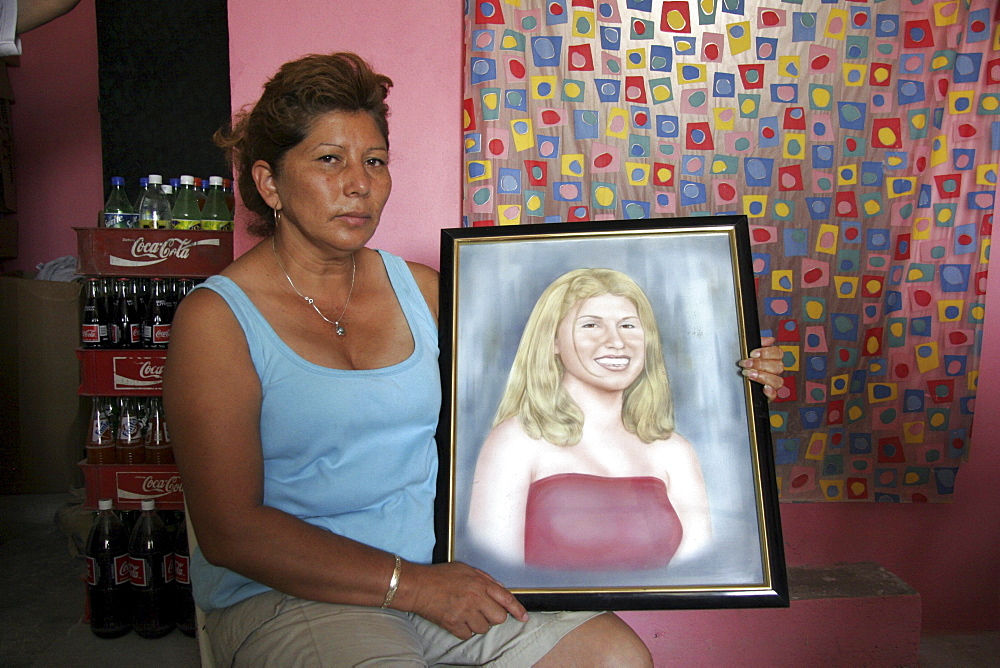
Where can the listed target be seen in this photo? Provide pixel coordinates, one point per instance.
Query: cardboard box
(42, 419)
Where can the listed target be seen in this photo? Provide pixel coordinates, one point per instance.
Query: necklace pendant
(339, 329)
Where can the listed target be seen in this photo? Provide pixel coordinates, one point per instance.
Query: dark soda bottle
(152, 571)
(126, 319)
(183, 600)
(108, 574)
(94, 326)
(159, 313)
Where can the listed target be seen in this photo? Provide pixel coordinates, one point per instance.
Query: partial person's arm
(499, 496)
(33, 13)
(678, 461)
(212, 396)
(765, 366)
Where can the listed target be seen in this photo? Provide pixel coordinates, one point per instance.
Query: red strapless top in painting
(589, 522)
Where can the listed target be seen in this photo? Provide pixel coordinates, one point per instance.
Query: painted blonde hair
(534, 392)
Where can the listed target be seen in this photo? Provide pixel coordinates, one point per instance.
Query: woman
(583, 468)
(303, 392)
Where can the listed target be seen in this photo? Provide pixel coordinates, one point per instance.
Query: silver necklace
(309, 300)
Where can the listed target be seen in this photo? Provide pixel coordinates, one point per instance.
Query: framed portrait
(600, 447)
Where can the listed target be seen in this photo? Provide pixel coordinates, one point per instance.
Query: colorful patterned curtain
(861, 138)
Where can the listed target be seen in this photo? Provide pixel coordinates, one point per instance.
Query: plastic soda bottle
(187, 213)
(108, 574)
(151, 557)
(216, 214)
(118, 211)
(154, 209)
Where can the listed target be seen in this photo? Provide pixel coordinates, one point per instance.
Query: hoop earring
(276, 216)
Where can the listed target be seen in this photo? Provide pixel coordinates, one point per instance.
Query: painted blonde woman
(584, 468)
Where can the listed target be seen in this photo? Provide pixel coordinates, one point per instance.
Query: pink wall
(57, 137)
(947, 552)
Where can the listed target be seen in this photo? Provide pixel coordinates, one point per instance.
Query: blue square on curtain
(547, 147)
(954, 365)
(761, 263)
(859, 379)
(608, 90)
(921, 326)
(819, 207)
(768, 135)
(611, 38)
(897, 159)
(850, 232)
(815, 366)
(767, 48)
(732, 7)
(878, 240)
(859, 444)
(938, 117)
(913, 63)
(995, 135)
(483, 40)
(567, 191)
(845, 326)
(667, 126)
(796, 242)
(693, 165)
(886, 25)
(944, 479)
(822, 156)
(784, 93)
(812, 417)
(516, 98)
(872, 174)
(893, 301)
(967, 66)
(482, 70)
(909, 91)
(640, 5)
(924, 196)
(546, 50)
(724, 85)
(555, 12)
(980, 201)
(861, 18)
(804, 27)
(692, 192)
(635, 209)
(786, 451)
(509, 181)
(965, 240)
(978, 27)
(852, 115)
(758, 171)
(913, 401)
(661, 58)
(963, 158)
(586, 124)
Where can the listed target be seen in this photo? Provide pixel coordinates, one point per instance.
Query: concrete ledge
(841, 615)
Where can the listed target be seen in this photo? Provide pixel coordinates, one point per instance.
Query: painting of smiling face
(601, 343)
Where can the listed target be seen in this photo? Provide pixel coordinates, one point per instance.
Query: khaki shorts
(273, 629)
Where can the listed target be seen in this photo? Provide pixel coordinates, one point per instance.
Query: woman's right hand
(457, 597)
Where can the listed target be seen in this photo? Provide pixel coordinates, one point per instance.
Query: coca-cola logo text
(147, 253)
(148, 370)
(160, 486)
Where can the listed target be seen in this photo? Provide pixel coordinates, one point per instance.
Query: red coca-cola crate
(141, 252)
(109, 373)
(127, 486)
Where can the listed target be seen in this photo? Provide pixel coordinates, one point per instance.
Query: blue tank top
(352, 452)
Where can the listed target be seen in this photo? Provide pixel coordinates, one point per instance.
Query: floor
(43, 599)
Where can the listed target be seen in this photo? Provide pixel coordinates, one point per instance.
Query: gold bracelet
(393, 583)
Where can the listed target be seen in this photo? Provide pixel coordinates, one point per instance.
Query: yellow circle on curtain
(977, 312)
(887, 136)
(814, 310)
(911, 478)
(748, 106)
(572, 89)
(604, 196)
(937, 419)
(872, 286)
(989, 103)
(491, 100)
(509, 42)
(919, 121)
(533, 203)
(821, 97)
(675, 20)
(782, 209)
(939, 62)
(855, 413)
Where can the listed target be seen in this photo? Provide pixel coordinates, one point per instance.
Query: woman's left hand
(765, 366)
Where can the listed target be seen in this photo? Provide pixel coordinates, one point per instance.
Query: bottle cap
(117, 180)
(155, 178)
(105, 504)
(215, 180)
(167, 189)
(187, 180)
(148, 504)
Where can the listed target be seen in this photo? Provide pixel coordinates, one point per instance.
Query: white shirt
(10, 43)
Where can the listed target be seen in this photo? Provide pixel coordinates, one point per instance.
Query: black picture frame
(697, 274)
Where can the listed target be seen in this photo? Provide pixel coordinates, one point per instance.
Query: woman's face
(601, 343)
(333, 184)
